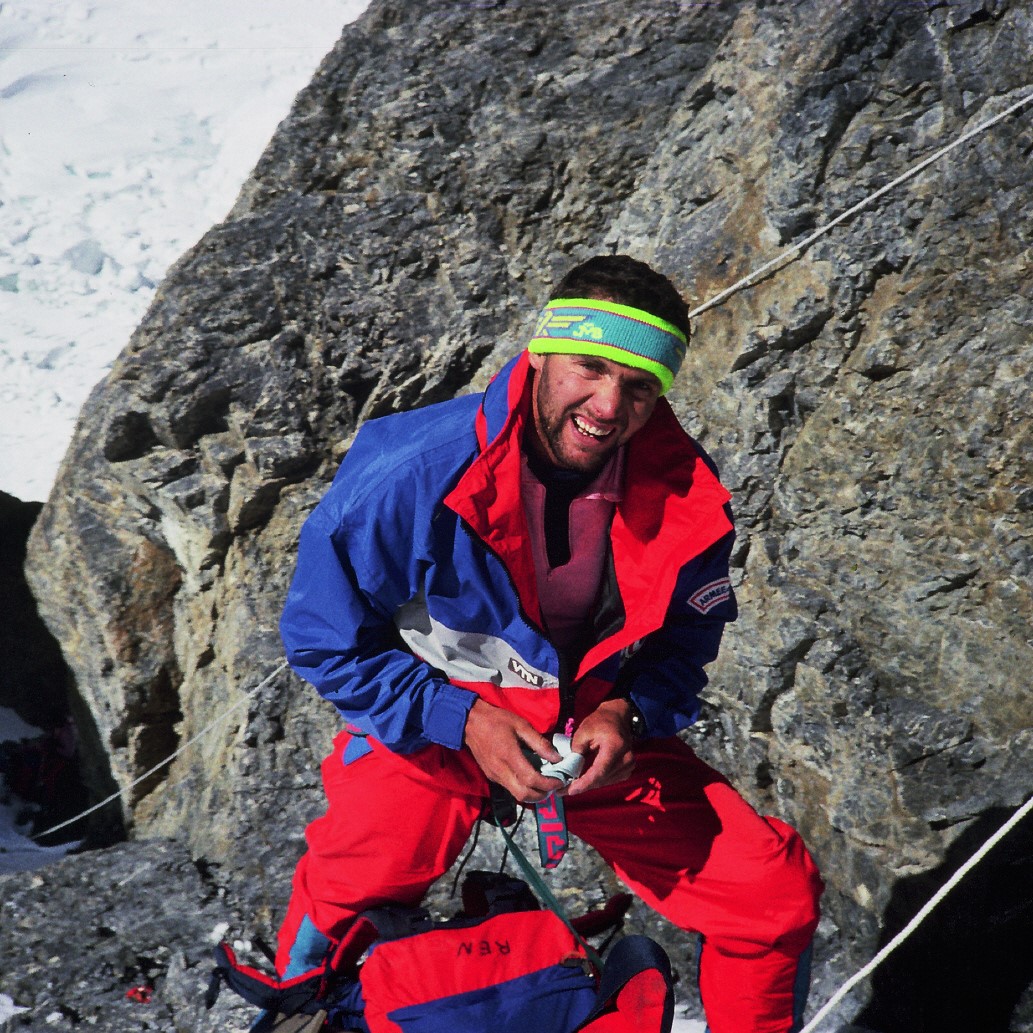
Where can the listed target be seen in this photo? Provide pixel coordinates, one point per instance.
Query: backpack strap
(636, 991)
(299, 994)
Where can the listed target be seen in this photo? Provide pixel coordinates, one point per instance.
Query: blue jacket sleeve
(665, 676)
(338, 630)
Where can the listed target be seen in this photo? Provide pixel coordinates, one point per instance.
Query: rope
(807, 241)
(734, 289)
(920, 917)
(169, 759)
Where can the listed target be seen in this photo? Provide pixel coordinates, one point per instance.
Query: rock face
(869, 404)
(120, 942)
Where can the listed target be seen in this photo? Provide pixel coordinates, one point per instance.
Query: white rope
(169, 759)
(807, 241)
(921, 916)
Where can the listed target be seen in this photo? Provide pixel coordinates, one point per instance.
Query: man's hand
(496, 739)
(604, 739)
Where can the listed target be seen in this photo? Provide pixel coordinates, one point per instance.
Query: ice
(127, 131)
(8, 1009)
(13, 728)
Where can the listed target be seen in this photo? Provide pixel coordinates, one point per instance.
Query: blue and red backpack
(503, 965)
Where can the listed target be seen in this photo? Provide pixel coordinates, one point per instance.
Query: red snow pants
(676, 833)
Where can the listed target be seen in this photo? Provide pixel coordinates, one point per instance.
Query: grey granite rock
(122, 942)
(869, 403)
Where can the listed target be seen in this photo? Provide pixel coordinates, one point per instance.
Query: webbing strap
(552, 830)
(536, 882)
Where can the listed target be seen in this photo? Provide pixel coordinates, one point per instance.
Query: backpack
(502, 965)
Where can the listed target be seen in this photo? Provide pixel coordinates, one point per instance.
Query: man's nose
(607, 399)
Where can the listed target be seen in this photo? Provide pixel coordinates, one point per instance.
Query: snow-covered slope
(126, 130)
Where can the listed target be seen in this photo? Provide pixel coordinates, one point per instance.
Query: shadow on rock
(47, 773)
(968, 966)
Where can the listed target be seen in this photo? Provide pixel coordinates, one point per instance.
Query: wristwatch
(636, 721)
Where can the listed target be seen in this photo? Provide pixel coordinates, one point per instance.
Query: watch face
(637, 721)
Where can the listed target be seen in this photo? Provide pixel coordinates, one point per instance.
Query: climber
(551, 555)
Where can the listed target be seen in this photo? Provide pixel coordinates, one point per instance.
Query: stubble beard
(552, 428)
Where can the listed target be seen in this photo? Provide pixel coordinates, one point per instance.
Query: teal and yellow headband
(585, 326)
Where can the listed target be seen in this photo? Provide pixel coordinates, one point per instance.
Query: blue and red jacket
(415, 589)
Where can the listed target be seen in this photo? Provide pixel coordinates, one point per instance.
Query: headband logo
(555, 321)
(584, 329)
(588, 329)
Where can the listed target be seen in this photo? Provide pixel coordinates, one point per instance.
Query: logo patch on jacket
(706, 598)
(522, 672)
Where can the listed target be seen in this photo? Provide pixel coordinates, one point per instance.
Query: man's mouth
(590, 431)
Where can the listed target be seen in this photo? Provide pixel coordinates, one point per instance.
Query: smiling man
(601, 367)
(548, 559)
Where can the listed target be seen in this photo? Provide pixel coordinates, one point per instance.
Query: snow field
(126, 131)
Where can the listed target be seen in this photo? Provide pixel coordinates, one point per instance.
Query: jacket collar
(487, 495)
(673, 507)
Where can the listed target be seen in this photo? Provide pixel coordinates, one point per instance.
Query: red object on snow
(140, 994)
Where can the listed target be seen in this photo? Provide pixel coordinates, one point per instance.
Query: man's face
(584, 407)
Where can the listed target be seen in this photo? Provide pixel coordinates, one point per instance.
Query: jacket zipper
(567, 686)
